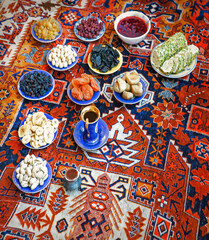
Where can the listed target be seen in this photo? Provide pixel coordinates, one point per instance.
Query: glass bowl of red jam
(132, 27)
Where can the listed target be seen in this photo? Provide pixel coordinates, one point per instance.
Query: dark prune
(104, 58)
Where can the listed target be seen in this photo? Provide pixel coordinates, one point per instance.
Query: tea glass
(90, 115)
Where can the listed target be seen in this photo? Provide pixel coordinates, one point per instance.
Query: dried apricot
(79, 81)
(77, 93)
(93, 82)
(87, 91)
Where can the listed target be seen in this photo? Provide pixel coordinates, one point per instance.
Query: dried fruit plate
(43, 40)
(37, 189)
(47, 93)
(64, 68)
(49, 117)
(134, 100)
(84, 102)
(101, 32)
(114, 69)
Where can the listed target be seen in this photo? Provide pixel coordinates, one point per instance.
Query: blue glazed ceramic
(64, 68)
(79, 135)
(135, 100)
(72, 183)
(36, 98)
(101, 33)
(43, 40)
(183, 73)
(90, 116)
(84, 102)
(37, 189)
(55, 134)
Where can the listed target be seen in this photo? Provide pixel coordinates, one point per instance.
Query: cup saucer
(103, 135)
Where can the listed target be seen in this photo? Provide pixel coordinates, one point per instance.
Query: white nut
(32, 180)
(45, 177)
(22, 171)
(39, 174)
(31, 161)
(28, 170)
(44, 170)
(39, 159)
(34, 185)
(41, 182)
(20, 177)
(44, 163)
(25, 178)
(17, 176)
(35, 169)
(17, 170)
(23, 165)
(65, 64)
(24, 184)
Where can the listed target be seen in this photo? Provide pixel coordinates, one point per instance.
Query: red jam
(132, 27)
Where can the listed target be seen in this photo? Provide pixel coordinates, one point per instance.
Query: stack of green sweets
(174, 55)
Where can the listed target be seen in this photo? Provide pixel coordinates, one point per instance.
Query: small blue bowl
(134, 100)
(36, 98)
(84, 102)
(43, 40)
(28, 144)
(38, 188)
(64, 68)
(101, 33)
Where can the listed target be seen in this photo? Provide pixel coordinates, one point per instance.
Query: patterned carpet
(155, 162)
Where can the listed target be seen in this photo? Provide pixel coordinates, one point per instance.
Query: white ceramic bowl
(132, 40)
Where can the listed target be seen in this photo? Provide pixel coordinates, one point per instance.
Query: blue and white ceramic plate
(38, 188)
(78, 133)
(183, 73)
(114, 69)
(36, 98)
(84, 102)
(64, 68)
(134, 100)
(28, 144)
(101, 33)
(43, 40)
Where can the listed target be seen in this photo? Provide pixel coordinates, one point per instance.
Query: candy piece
(127, 95)
(167, 49)
(132, 77)
(120, 85)
(179, 61)
(136, 89)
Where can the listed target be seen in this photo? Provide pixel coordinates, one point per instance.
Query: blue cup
(72, 179)
(90, 115)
